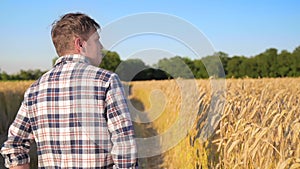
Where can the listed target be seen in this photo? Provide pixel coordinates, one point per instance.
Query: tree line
(22, 75)
(270, 63)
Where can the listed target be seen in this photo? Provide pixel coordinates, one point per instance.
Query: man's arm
(124, 149)
(16, 149)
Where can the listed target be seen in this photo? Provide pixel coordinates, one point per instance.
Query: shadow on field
(145, 130)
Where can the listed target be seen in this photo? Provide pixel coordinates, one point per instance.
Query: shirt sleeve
(16, 149)
(124, 150)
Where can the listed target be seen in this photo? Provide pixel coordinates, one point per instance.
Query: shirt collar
(72, 58)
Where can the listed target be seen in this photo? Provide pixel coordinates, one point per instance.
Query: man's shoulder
(31, 89)
(90, 73)
(100, 73)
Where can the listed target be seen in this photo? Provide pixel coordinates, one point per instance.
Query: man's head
(76, 33)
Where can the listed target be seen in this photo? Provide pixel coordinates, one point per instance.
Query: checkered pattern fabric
(78, 116)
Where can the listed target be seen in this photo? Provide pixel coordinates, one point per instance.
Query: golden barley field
(259, 123)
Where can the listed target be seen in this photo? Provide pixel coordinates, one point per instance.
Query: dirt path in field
(144, 130)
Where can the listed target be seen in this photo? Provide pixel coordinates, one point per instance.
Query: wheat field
(259, 127)
(259, 124)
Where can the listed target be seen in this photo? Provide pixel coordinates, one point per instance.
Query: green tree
(110, 61)
(151, 74)
(267, 63)
(284, 63)
(233, 67)
(128, 69)
(214, 66)
(5, 76)
(295, 62)
(25, 75)
(247, 67)
(199, 69)
(175, 67)
(224, 59)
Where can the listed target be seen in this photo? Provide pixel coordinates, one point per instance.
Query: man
(76, 112)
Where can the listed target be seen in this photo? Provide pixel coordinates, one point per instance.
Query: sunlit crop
(259, 127)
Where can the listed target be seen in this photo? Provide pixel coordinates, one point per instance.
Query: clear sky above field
(234, 27)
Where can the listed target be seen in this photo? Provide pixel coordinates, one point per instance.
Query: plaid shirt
(78, 116)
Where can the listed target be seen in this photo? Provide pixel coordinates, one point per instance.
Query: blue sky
(234, 27)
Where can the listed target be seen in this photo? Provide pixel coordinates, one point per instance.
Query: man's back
(78, 116)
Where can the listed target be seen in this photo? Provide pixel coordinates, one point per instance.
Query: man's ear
(80, 46)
